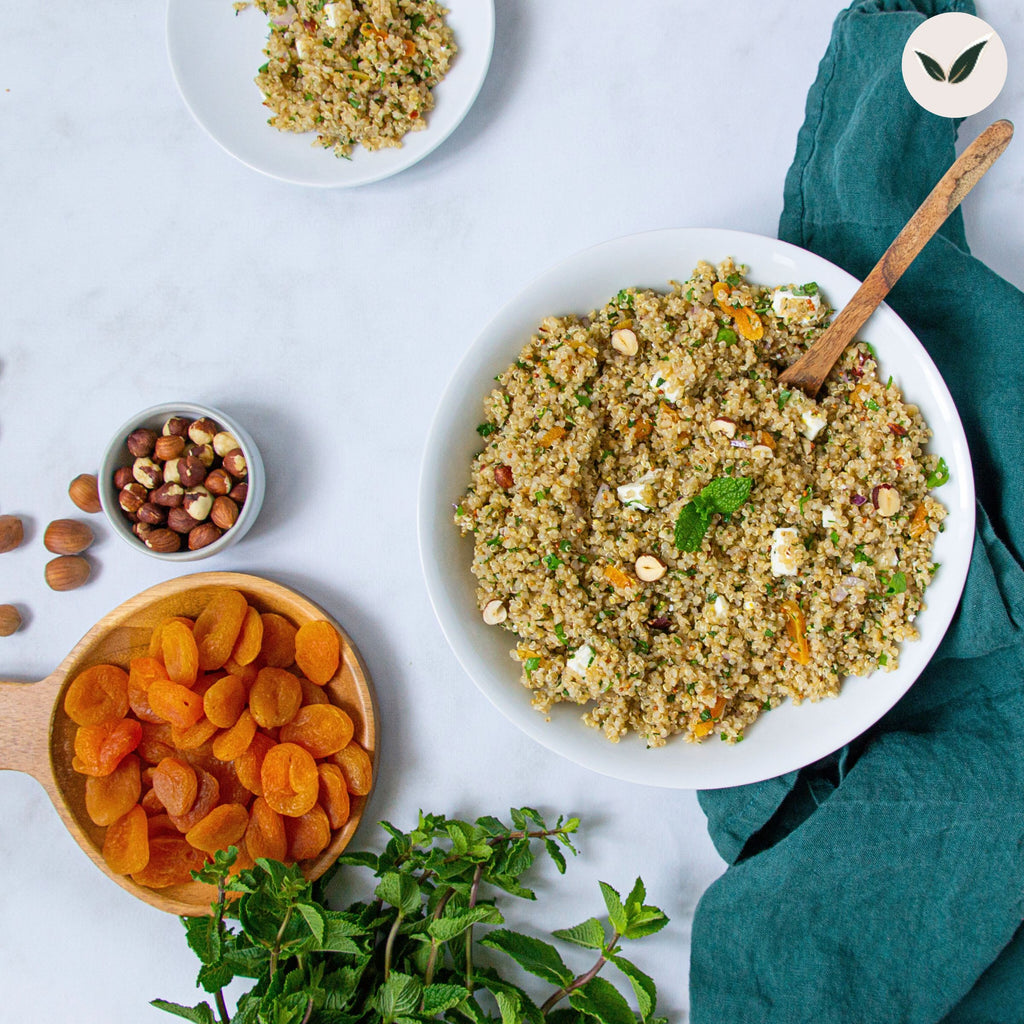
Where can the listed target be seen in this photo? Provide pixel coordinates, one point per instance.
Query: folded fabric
(886, 883)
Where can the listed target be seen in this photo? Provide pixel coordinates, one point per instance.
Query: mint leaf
(616, 911)
(400, 891)
(509, 1006)
(727, 493)
(201, 1014)
(438, 998)
(691, 525)
(635, 900)
(601, 999)
(447, 928)
(533, 955)
(643, 985)
(590, 934)
(399, 995)
(646, 921)
(940, 476)
(897, 584)
(314, 917)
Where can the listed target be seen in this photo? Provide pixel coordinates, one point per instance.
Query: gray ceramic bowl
(117, 455)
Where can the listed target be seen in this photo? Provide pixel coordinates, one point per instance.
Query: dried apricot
(156, 639)
(109, 797)
(151, 803)
(195, 735)
(176, 784)
(231, 743)
(308, 834)
(217, 628)
(224, 701)
(249, 763)
(224, 825)
(265, 835)
(180, 653)
(171, 861)
(321, 729)
(318, 650)
(250, 639)
(275, 697)
(231, 789)
(313, 694)
(97, 694)
(356, 766)
(175, 703)
(278, 647)
(156, 742)
(333, 794)
(99, 749)
(247, 673)
(160, 825)
(206, 799)
(141, 674)
(290, 780)
(126, 844)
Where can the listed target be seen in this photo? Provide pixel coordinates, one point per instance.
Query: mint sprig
(724, 495)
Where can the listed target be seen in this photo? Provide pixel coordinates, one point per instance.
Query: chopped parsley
(939, 476)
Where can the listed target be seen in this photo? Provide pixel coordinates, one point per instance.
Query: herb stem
(473, 890)
(390, 944)
(428, 975)
(222, 1009)
(276, 951)
(582, 979)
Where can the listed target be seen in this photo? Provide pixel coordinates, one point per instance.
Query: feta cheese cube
(828, 518)
(814, 423)
(786, 551)
(789, 306)
(338, 13)
(303, 47)
(720, 612)
(639, 493)
(582, 660)
(667, 387)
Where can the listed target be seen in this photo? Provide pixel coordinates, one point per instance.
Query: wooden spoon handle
(25, 710)
(811, 369)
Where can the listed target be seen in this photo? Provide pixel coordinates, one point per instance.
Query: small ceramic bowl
(117, 455)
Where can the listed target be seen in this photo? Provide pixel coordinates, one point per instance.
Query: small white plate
(790, 736)
(215, 55)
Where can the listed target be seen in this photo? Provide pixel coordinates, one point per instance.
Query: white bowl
(117, 455)
(214, 55)
(790, 736)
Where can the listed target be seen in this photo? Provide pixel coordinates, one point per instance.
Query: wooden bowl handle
(25, 711)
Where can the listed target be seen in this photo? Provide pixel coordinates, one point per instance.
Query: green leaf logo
(960, 69)
(931, 65)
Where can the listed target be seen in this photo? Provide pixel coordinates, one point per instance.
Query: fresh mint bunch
(406, 952)
(724, 495)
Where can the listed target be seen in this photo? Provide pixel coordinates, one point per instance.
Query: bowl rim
(112, 460)
(490, 350)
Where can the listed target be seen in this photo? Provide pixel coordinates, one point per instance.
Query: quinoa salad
(353, 71)
(677, 542)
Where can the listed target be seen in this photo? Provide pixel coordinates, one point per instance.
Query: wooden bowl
(37, 737)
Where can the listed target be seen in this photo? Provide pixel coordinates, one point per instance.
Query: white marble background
(141, 264)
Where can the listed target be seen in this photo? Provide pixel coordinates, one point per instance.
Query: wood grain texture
(810, 370)
(37, 737)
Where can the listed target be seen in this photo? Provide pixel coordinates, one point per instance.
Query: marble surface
(141, 264)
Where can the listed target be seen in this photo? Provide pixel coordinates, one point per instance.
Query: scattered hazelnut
(66, 572)
(67, 537)
(495, 612)
(152, 514)
(12, 533)
(148, 473)
(203, 535)
(624, 341)
(180, 521)
(10, 619)
(218, 482)
(648, 568)
(239, 493)
(85, 493)
(724, 425)
(191, 471)
(503, 477)
(224, 512)
(172, 473)
(224, 443)
(177, 425)
(202, 452)
(140, 442)
(123, 476)
(168, 446)
(142, 530)
(198, 503)
(234, 463)
(132, 497)
(886, 499)
(163, 541)
(168, 495)
(203, 431)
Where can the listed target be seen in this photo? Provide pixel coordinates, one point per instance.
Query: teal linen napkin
(886, 883)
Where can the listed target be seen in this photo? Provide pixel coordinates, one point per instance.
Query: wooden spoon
(37, 737)
(810, 370)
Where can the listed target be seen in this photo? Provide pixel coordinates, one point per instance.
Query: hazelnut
(624, 341)
(495, 612)
(12, 533)
(123, 477)
(648, 568)
(239, 493)
(132, 497)
(198, 503)
(67, 537)
(66, 572)
(172, 473)
(503, 477)
(148, 473)
(202, 452)
(224, 443)
(191, 471)
(180, 521)
(203, 535)
(140, 442)
(163, 541)
(168, 495)
(177, 426)
(234, 463)
(203, 431)
(142, 530)
(218, 482)
(85, 493)
(886, 499)
(152, 514)
(168, 446)
(724, 425)
(10, 619)
(224, 512)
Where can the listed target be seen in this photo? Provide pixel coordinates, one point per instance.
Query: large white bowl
(790, 736)
(215, 53)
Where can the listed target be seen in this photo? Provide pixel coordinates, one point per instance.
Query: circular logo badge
(954, 64)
